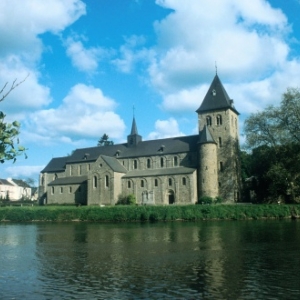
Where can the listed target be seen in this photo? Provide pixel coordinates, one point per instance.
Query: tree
(9, 132)
(274, 136)
(104, 141)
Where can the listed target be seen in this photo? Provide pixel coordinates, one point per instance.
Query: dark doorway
(171, 197)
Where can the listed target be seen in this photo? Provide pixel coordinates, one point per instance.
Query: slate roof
(114, 164)
(205, 136)
(57, 164)
(216, 98)
(21, 183)
(69, 180)
(5, 182)
(158, 172)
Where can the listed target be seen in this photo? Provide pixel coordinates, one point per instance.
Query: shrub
(126, 199)
(205, 200)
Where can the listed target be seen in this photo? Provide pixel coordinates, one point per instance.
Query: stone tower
(218, 116)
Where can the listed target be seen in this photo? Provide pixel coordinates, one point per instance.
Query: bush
(205, 200)
(126, 199)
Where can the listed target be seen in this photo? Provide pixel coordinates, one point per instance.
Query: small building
(14, 189)
(177, 170)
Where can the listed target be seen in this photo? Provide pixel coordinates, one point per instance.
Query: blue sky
(90, 61)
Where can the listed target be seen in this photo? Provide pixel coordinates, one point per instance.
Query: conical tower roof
(205, 136)
(216, 98)
(133, 127)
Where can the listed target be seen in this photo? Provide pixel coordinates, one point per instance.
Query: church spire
(133, 138)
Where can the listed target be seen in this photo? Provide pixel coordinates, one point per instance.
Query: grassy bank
(147, 213)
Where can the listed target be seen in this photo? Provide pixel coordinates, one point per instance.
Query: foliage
(274, 136)
(147, 213)
(205, 200)
(104, 141)
(126, 199)
(9, 131)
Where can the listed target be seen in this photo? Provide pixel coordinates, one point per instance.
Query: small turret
(208, 165)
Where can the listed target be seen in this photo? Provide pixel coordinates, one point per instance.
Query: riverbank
(148, 213)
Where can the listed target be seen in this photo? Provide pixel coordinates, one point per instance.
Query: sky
(93, 64)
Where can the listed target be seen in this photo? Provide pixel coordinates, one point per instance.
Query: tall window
(79, 170)
(220, 142)
(161, 162)
(208, 121)
(183, 181)
(61, 190)
(221, 166)
(170, 182)
(219, 120)
(129, 184)
(155, 182)
(175, 161)
(52, 190)
(142, 183)
(106, 181)
(135, 164)
(148, 163)
(70, 189)
(95, 182)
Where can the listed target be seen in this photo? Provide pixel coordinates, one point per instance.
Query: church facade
(177, 170)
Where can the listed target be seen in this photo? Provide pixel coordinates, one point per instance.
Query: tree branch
(13, 86)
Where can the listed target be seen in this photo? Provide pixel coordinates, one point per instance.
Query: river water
(176, 260)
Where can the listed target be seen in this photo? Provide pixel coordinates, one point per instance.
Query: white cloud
(165, 129)
(247, 39)
(86, 60)
(24, 172)
(132, 53)
(22, 22)
(84, 113)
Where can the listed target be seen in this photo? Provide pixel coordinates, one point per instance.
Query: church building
(178, 170)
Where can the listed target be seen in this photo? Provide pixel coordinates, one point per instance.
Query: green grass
(147, 213)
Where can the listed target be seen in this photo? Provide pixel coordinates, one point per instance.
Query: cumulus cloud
(84, 113)
(24, 172)
(84, 59)
(248, 40)
(132, 53)
(165, 129)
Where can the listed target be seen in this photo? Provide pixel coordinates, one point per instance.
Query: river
(175, 260)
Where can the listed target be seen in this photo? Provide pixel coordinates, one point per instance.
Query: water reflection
(207, 260)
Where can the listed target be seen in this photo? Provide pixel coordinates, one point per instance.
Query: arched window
(95, 182)
(135, 164)
(161, 162)
(129, 184)
(106, 181)
(175, 161)
(155, 182)
(208, 121)
(170, 182)
(52, 190)
(220, 142)
(148, 163)
(183, 181)
(61, 190)
(70, 189)
(219, 120)
(142, 183)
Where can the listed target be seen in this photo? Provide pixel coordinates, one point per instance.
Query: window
(170, 182)
(106, 181)
(148, 163)
(219, 120)
(161, 162)
(175, 161)
(208, 121)
(61, 190)
(129, 184)
(70, 190)
(89, 167)
(135, 164)
(79, 170)
(183, 181)
(220, 142)
(221, 166)
(95, 181)
(142, 183)
(155, 182)
(52, 190)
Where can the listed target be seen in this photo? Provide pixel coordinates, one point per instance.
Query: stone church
(178, 170)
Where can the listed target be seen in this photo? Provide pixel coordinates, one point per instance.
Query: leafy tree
(9, 132)
(274, 136)
(104, 141)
